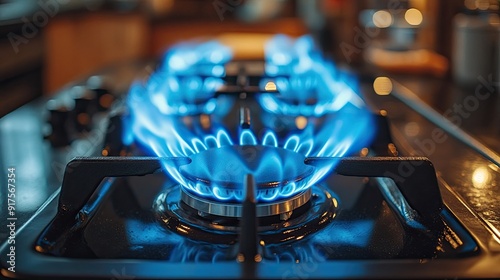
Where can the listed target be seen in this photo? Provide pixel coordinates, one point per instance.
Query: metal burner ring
(235, 209)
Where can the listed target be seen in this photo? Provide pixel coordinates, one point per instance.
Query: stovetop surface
(364, 227)
(28, 122)
(476, 179)
(469, 174)
(348, 220)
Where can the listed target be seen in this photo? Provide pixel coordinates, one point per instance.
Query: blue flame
(302, 75)
(156, 111)
(187, 80)
(197, 59)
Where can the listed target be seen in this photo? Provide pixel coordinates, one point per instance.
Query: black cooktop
(251, 172)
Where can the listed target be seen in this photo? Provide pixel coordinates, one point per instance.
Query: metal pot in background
(475, 48)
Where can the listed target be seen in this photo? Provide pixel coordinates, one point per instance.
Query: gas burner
(278, 222)
(284, 207)
(274, 157)
(273, 194)
(215, 176)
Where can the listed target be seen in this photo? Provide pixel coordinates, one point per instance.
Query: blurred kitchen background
(432, 47)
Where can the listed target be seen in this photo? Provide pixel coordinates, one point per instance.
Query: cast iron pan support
(248, 238)
(415, 178)
(82, 178)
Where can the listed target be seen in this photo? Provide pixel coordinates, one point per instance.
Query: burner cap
(217, 174)
(280, 207)
(318, 211)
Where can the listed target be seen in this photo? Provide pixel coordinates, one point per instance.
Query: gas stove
(209, 166)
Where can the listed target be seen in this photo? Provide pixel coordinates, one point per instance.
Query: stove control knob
(84, 109)
(113, 142)
(58, 121)
(104, 98)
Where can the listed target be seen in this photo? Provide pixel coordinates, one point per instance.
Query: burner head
(294, 82)
(218, 174)
(282, 207)
(317, 212)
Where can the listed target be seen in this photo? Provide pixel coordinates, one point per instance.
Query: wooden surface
(79, 44)
(167, 34)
